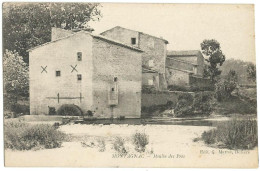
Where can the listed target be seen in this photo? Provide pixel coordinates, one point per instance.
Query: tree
(26, 25)
(212, 50)
(251, 72)
(225, 87)
(16, 78)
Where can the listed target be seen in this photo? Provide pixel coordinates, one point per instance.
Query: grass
(23, 136)
(119, 145)
(97, 142)
(140, 140)
(233, 134)
(236, 105)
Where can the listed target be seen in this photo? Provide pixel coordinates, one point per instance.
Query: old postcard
(129, 85)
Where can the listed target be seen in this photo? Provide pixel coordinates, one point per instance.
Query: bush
(101, 144)
(69, 110)
(52, 110)
(184, 105)
(224, 88)
(140, 140)
(89, 113)
(22, 136)
(19, 108)
(119, 145)
(202, 103)
(234, 134)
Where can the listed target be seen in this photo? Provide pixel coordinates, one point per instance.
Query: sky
(186, 26)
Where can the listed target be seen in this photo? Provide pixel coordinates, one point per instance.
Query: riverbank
(169, 146)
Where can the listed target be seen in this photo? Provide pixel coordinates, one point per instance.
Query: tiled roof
(183, 53)
(166, 41)
(182, 70)
(181, 61)
(95, 36)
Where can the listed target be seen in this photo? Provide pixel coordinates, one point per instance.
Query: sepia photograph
(129, 85)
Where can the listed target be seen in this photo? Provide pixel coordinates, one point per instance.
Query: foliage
(52, 110)
(140, 140)
(119, 145)
(101, 144)
(89, 113)
(241, 68)
(16, 78)
(97, 142)
(237, 105)
(224, 88)
(251, 72)
(26, 25)
(155, 110)
(212, 50)
(23, 136)
(234, 134)
(18, 108)
(190, 89)
(184, 105)
(69, 110)
(8, 114)
(202, 103)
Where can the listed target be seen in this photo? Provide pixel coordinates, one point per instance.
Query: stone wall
(154, 49)
(177, 77)
(60, 56)
(179, 64)
(199, 82)
(160, 98)
(111, 61)
(151, 76)
(122, 35)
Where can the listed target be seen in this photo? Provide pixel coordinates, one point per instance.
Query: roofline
(94, 36)
(166, 41)
(198, 51)
(117, 43)
(190, 72)
(178, 60)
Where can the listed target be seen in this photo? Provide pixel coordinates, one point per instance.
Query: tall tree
(26, 25)
(212, 50)
(15, 73)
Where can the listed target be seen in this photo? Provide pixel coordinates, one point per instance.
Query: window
(79, 77)
(150, 82)
(115, 79)
(195, 69)
(79, 54)
(151, 63)
(57, 73)
(133, 41)
(112, 89)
